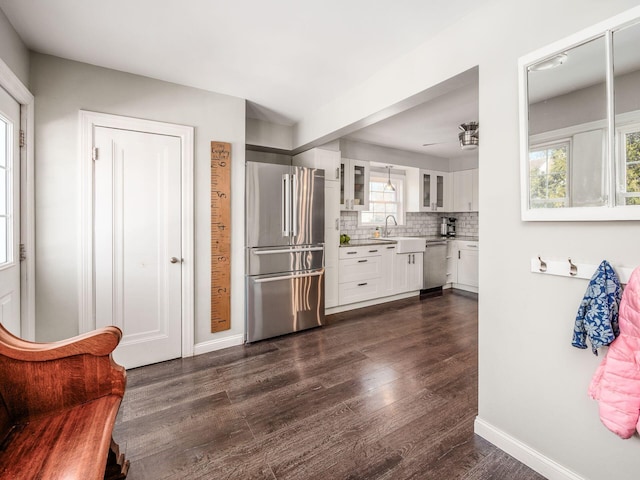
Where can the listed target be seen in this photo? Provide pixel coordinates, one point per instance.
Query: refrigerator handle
(285, 205)
(294, 204)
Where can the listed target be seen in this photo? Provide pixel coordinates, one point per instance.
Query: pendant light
(389, 186)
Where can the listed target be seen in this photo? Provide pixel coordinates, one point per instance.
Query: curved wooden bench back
(38, 378)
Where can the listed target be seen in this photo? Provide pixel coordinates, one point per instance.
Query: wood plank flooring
(387, 392)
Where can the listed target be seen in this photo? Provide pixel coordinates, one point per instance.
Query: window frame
(381, 177)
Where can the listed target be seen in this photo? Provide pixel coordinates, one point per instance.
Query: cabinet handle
(338, 224)
(458, 254)
(337, 173)
(409, 259)
(351, 253)
(390, 248)
(362, 284)
(362, 261)
(373, 251)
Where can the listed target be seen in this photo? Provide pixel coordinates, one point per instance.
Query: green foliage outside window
(548, 168)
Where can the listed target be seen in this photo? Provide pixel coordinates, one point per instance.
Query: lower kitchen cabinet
(467, 265)
(407, 274)
(360, 274)
(452, 261)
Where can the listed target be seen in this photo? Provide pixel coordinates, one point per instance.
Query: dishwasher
(435, 264)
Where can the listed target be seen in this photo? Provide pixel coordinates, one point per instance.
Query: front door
(137, 243)
(9, 213)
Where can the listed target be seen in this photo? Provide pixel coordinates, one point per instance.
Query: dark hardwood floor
(388, 392)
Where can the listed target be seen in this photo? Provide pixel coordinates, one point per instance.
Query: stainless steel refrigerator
(284, 249)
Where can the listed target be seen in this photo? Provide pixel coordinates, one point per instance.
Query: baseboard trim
(524, 453)
(218, 344)
(369, 303)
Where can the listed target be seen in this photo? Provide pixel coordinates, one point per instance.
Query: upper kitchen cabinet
(428, 190)
(328, 160)
(465, 191)
(354, 185)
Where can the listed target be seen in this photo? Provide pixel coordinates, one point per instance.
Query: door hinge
(22, 140)
(94, 155)
(23, 252)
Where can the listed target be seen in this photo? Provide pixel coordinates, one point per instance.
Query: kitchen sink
(408, 244)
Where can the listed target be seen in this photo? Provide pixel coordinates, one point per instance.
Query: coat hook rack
(573, 269)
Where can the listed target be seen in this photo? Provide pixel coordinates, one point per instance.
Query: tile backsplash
(417, 224)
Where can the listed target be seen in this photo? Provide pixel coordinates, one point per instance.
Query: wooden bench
(58, 406)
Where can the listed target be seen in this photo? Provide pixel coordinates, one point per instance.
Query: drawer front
(359, 291)
(359, 252)
(357, 269)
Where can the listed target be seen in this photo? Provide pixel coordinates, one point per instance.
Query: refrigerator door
(263, 261)
(307, 206)
(268, 209)
(281, 304)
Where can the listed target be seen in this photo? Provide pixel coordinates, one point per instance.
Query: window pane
(3, 239)
(3, 191)
(3, 143)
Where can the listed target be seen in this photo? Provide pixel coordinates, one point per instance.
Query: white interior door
(9, 213)
(137, 243)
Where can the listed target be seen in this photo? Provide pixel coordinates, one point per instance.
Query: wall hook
(573, 270)
(543, 264)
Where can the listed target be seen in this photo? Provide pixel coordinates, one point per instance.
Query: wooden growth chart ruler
(220, 236)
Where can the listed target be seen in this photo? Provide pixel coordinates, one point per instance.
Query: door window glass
(5, 205)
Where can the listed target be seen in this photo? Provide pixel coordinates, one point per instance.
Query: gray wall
(376, 153)
(61, 89)
(532, 382)
(13, 52)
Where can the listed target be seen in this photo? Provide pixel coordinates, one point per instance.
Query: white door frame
(12, 84)
(88, 122)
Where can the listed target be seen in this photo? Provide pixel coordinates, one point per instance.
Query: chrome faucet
(385, 233)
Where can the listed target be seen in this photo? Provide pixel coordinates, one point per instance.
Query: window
(629, 184)
(384, 202)
(548, 175)
(6, 128)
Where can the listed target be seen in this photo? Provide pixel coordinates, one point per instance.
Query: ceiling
(433, 122)
(286, 57)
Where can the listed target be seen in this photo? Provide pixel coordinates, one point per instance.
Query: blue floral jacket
(597, 316)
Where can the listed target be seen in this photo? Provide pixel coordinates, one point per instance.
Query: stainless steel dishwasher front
(435, 264)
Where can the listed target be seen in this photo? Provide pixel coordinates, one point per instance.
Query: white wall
(61, 89)
(12, 51)
(376, 153)
(267, 134)
(533, 383)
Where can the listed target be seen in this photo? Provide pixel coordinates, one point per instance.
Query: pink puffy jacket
(616, 383)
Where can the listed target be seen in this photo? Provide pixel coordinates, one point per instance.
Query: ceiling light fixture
(468, 136)
(389, 186)
(549, 63)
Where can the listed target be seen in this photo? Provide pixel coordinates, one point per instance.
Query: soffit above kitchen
(431, 127)
(286, 57)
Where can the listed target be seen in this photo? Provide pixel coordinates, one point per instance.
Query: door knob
(174, 260)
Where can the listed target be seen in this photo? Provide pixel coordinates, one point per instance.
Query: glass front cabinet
(354, 185)
(434, 191)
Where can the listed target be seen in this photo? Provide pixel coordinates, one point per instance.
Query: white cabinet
(388, 268)
(428, 190)
(331, 242)
(328, 160)
(465, 191)
(468, 264)
(407, 274)
(360, 273)
(452, 261)
(354, 184)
